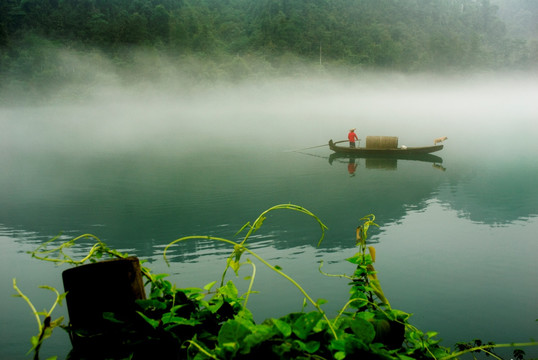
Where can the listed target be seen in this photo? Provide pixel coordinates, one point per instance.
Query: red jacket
(352, 136)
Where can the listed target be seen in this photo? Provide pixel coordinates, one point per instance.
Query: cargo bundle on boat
(381, 142)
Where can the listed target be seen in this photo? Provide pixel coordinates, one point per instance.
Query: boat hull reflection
(388, 162)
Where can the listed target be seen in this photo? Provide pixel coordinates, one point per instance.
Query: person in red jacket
(352, 137)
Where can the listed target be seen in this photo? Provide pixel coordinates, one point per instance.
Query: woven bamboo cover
(381, 142)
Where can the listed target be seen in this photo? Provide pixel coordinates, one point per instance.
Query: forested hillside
(520, 16)
(400, 35)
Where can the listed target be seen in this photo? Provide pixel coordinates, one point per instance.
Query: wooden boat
(391, 150)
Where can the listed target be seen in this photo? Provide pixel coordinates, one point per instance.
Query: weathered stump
(96, 289)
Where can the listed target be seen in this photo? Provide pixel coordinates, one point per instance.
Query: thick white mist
(495, 111)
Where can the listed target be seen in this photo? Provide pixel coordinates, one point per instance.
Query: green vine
(46, 325)
(215, 323)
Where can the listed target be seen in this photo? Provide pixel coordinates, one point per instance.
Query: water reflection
(386, 162)
(139, 201)
(493, 192)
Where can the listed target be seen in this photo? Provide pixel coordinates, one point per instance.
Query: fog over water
(479, 114)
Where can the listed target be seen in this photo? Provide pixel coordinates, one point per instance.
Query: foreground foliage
(214, 322)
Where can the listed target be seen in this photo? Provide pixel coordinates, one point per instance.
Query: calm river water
(456, 245)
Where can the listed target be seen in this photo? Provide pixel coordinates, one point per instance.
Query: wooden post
(110, 286)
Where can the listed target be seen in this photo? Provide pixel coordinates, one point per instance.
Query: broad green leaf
(199, 356)
(178, 320)
(197, 296)
(35, 341)
(320, 326)
(191, 290)
(147, 304)
(340, 355)
(209, 286)
(309, 347)
(159, 276)
(235, 265)
(355, 259)
(321, 301)
(440, 352)
(232, 332)
(47, 333)
(363, 329)
(353, 344)
(343, 322)
(259, 223)
(338, 345)
(111, 317)
(365, 315)
(283, 327)
(282, 350)
(229, 290)
(61, 298)
(394, 314)
(245, 319)
(47, 287)
(305, 323)
(244, 315)
(359, 300)
(177, 307)
(259, 334)
(215, 303)
(57, 322)
(404, 357)
(231, 345)
(152, 322)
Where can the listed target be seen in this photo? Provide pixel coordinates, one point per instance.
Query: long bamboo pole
(318, 146)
